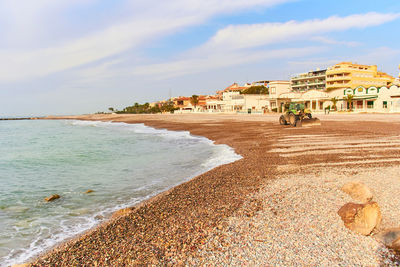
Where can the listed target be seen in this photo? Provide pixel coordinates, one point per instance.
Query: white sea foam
(221, 154)
(140, 128)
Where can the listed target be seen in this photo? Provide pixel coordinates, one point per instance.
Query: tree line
(146, 108)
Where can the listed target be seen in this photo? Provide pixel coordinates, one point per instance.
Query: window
(370, 104)
(273, 90)
(384, 104)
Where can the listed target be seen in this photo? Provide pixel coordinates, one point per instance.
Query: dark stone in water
(52, 197)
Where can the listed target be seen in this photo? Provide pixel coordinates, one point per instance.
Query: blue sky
(83, 56)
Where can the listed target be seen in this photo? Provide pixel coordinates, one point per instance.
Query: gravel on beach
(276, 206)
(297, 224)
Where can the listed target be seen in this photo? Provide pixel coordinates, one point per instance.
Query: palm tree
(334, 101)
(349, 100)
(194, 100)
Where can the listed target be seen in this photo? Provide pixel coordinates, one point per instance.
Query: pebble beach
(277, 206)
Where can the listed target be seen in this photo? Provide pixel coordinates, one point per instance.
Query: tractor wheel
(299, 122)
(292, 119)
(282, 120)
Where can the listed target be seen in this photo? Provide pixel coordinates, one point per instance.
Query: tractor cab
(297, 108)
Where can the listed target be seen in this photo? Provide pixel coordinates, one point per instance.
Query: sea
(123, 164)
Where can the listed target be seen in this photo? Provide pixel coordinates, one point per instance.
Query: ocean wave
(140, 128)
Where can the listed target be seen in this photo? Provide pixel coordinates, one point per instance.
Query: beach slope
(277, 205)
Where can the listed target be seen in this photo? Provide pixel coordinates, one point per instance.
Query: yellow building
(348, 75)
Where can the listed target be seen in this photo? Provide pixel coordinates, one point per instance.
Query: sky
(83, 56)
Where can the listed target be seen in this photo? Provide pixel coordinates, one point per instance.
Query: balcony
(338, 78)
(317, 83)
(298, 78)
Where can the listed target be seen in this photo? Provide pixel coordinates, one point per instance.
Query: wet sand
(226, 209)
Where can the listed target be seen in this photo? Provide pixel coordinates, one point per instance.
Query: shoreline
(173, 227)
(146, 200)
(123, 212)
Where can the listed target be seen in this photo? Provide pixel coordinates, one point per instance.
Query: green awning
(363, 97)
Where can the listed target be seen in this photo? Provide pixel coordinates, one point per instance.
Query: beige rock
(52, 197)
(121, 212)
(361, 218)
(358, 191)
(21, 265)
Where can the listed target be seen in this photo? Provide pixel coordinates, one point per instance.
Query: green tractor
(296, 115)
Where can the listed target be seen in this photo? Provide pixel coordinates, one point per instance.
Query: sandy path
(276, 206)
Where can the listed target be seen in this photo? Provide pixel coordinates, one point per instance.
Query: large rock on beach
(358, 191)
(361, 218)
(390, 237)
(52, 197)
(122, 212)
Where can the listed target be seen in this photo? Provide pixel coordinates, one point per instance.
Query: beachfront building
(312, 80)
(204, 100)
(235, 102)
(385, 99)
(315, 100)
(235, 87)
(215, 105)
(182, 103)
(348, 75)
(275, 89)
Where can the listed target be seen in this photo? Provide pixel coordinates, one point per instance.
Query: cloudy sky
(83, 56)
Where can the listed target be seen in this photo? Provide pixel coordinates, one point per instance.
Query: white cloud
(220, 60)
(254, 35)
(149, 20)
(235, 44)
(23, 21)
(108, 42)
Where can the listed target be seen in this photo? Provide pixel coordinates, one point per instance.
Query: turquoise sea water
(123, 163)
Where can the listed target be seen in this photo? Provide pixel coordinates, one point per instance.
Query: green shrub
(259, 89)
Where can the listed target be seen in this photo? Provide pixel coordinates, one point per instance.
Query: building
(182, 102)
(235, 87)
(276, 88)
(348, 75)
(372, 99)
(315, 100)
(235, 102)
(312, 80)
(260, 83)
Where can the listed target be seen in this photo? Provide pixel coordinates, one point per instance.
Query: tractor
(296, 115)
